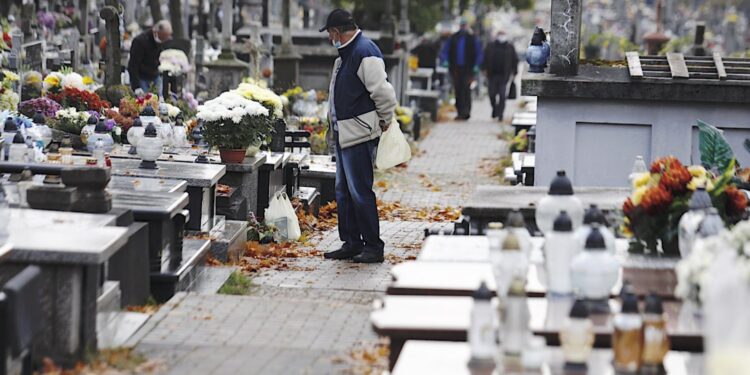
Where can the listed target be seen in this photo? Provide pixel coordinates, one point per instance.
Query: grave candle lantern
(700, 203)
(44, 130)
(559, 198)
(149, 148)
(577, 336)
(9, 132)
(135, 133)
(100, 134)
(594, 271)
(595, 215)
(508, 263)
(88, 129)
(481, 332)
(18, 149)
(179, 134)
(560, 247)
(517, 225)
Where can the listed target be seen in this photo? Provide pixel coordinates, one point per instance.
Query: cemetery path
(312, 316)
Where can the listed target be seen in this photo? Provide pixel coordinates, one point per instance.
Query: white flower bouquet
(174, 62)
(56, 81)
(70, 120)
(234, 122)
(693, 271)
(8, 97)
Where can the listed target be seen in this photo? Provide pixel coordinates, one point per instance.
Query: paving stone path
(312, 317)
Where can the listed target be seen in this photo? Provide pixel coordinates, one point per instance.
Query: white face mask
(500, 38)
(156, 38)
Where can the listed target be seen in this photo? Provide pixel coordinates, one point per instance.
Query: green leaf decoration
(716, 154)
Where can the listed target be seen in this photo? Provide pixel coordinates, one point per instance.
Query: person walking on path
(143, 65)
(500, 65)
(362, 105)
(462, 53)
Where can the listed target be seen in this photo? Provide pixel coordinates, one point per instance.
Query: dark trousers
(359, 226)
(497, 87)
(462, 77)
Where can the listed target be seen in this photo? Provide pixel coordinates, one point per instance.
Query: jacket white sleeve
(372, 73)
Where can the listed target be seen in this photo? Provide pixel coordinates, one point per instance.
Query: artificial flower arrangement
(70, 120)
(519, 142)
(47, 106)
(8, 97)
(652, 213)
(253, 90)
(174, 62)
(83, 100)
(232, 122)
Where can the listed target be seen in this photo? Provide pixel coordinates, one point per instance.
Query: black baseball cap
(338, 17)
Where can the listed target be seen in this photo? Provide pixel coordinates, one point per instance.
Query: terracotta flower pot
(232, 156)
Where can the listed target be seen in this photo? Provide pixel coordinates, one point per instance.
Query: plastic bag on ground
(393, 149)
(281, 215)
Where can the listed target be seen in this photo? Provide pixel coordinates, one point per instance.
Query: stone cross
(226, 25)
(565, 37)
(286, 32)
(113, 71)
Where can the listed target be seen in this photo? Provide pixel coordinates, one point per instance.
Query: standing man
(462, 53)
(362, 104)
(500, 64)
(143, 65)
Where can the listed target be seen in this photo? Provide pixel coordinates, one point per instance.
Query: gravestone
(34, 58)
(227, 72)
(566, 37)
(113, 68)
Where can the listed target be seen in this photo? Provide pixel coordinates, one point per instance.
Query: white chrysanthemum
(173, 61)
(230, 106)
(73, 80)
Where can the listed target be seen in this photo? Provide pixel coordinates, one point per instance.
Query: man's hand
(384, 125)
(138, 92)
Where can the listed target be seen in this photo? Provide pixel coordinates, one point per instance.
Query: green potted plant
(233, 123)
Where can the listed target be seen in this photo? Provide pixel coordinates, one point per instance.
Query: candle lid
(700, 199)
(39, 118)
(515, 219)
(483, 292)
(18, 139)
(137, 122)
(594, 215)
(560, 185)
(101, 126)
(580, 310)
(563, 223)
(150, 131)
(595, 240)
(517, 287)
(92, 120)
(653, 304)
(10, 125)
(495, 225)
(629, 304)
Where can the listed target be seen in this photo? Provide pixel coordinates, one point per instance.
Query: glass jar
(594, 272)
(560, 247)
(559, 198)
(627, 339)
(577, 335)
(655, 339)
(515, 327)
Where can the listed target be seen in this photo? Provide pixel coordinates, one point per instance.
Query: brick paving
(305, 319)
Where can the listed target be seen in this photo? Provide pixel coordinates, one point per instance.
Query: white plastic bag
(393, 149)
(281, 215)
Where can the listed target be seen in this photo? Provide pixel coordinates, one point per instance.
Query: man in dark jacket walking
(362, 105)
(462, 53)
(500, 64)
(143, 65)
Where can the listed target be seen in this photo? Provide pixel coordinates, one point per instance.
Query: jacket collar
(346, 47)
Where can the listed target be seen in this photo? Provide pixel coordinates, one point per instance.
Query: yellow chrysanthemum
(638, 195)
(642, 180)
(87, 80)
(697, 171)
(52, 81)
(697, 182)
(626, 231)
(10, 76)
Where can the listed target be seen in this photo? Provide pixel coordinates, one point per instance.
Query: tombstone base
(175, 278)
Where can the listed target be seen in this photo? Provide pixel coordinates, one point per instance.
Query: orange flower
(676, 179)
(628, 207)
(665, 163)
(736, 201)
(656, 199)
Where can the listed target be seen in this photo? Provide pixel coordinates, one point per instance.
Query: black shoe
(369, 257)
(342, 253)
